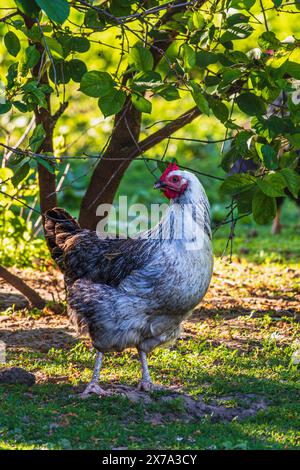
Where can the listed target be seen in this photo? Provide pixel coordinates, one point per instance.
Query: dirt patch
(239, 292)
(16, 375)
(236, 288)
(52, 331)
(175, 405)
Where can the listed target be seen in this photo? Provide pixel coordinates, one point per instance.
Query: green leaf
(169, 93)
(77, 69)
(32, 57)
(46, 163)
(112, 103)
(96, 84)
(238, 57)
(292, 180)
(5, 107)
(35, 93)
(141, 58)
(241, 4)
(277, 67)
(54, 46)
(120, 8)
(57, 10)
(141, 104)
(198, 20)
(268, 40)
(242, 141)
(28, 7)
(12, 43)
(272, 185)
(79, 44)
(62, 72)
(244, 201)
(147, 81)
(229, 75)
(294, 139)
(34, 33)
(288, 159)
(219, 109)
(189, 56)
(225, 59)
(277, 3)
(20, 174)
(37, 138)
(293, 69)
(237, 183)
(92, 20)
(250, 104)
(263, 207)
(12, 75)
(229, 158)
(20, 106)
(268, 155)
(238, 31)
(205, 58)
(237, 18)
(277, 125)
(199, 98)
(212, 80)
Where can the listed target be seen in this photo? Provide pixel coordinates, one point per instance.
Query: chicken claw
(148, 386)
(94, 388)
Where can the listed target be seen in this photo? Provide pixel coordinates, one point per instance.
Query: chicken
(135, 292)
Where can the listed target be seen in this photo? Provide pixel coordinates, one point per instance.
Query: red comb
(170, 167)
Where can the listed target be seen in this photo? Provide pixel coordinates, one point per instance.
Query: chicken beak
(159, 185)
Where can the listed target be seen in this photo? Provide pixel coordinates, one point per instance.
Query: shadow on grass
(52, 416)
(232, 311)
(9, 299)
(39, 339)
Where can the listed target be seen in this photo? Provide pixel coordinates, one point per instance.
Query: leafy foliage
(230, 67)
(18, 245)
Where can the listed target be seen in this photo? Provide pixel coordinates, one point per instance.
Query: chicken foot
(146, 383)
(93, 386)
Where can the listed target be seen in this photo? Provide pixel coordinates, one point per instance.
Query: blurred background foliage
(83, 130)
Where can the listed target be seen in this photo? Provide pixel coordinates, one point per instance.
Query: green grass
(257, 244)
(49, 416)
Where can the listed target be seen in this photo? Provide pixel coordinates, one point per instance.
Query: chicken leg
(146, 383)
(93, 386)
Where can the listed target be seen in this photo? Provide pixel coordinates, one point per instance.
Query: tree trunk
(33, 297)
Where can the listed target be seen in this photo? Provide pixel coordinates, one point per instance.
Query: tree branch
(169, 129)
(128, 154)
(33, 297)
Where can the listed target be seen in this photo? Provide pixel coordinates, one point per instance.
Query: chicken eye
(175, 179)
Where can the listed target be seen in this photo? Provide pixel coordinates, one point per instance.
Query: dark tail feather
(59, 226)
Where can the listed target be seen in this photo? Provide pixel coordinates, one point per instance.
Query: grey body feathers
(130, 292)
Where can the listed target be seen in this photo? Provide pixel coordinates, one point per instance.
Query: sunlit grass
(50, 414)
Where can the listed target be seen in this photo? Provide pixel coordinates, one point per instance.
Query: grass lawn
(235, 352)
